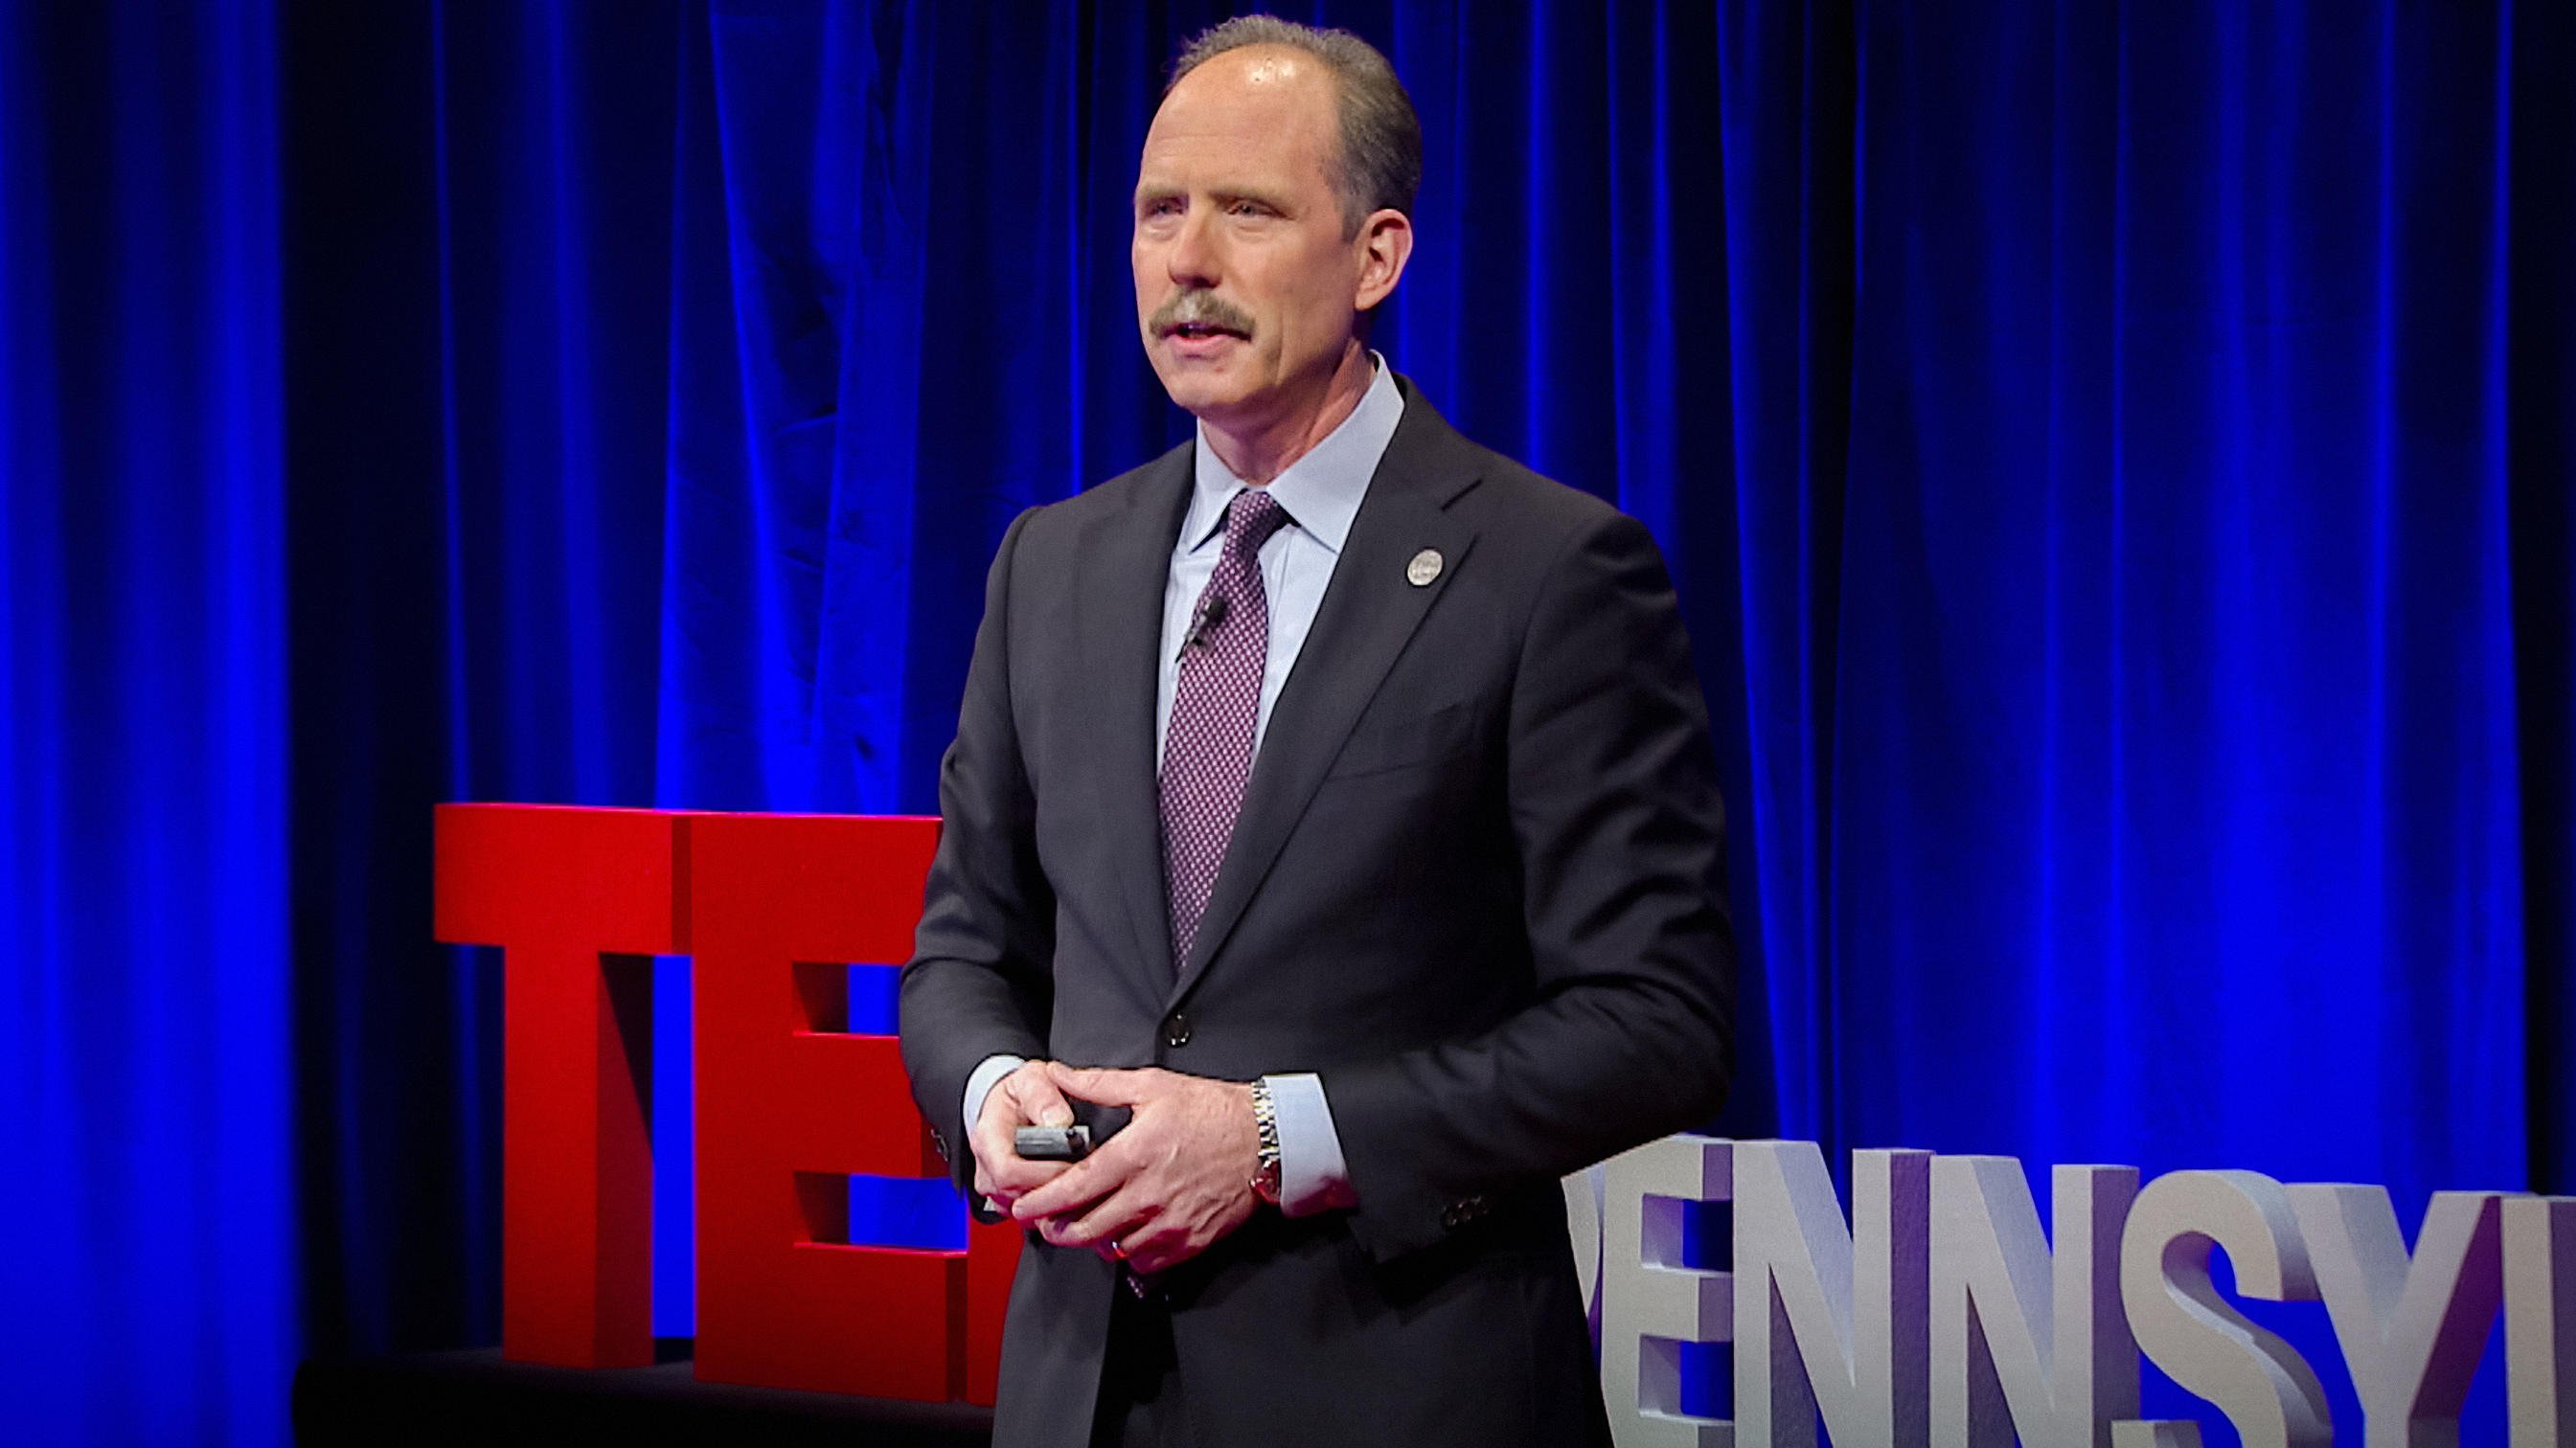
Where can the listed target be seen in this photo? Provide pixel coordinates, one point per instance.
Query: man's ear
(1386, 243)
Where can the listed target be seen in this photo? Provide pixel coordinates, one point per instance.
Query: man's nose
(1193, 260)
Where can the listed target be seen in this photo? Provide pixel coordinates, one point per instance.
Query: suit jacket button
(1176, 1031)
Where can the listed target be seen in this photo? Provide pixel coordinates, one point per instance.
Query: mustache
(1203, 307)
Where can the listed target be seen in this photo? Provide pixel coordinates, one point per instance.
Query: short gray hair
(1378, 164)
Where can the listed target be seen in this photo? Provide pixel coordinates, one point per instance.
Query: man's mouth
(1201, 315)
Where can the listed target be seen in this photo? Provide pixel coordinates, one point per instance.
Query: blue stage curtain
(147, 1266)
(479, 218)
(2116, 462)
(2168, 805)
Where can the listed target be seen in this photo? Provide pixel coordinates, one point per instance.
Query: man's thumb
(1040, 1100)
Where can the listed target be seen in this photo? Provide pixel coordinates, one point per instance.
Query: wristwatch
(1265, 1120)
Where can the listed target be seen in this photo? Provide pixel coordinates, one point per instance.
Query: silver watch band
(1265, 1121)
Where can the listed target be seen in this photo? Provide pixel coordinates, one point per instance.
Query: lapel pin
(1424, 568)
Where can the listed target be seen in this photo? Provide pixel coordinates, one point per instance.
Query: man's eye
(1249, 208)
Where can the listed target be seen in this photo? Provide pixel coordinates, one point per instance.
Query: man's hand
(1158, 1193)
(1026, 1097)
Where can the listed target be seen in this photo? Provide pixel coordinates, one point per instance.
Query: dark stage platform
(477, 1397)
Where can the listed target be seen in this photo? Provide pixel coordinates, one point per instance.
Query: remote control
(1052, 1143)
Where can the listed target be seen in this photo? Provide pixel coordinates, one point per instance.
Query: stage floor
(478, 1397)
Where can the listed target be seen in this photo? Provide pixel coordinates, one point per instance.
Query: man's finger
(1003, 1110)
(1017, 1176)
(1103, 1225)
(1100, 1230)
(1149, 1246)
(1037, 1097)
(1073, 1189)
(1103, 1085)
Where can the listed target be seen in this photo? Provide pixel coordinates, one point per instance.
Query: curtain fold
(149, 1277)
(2176, 690)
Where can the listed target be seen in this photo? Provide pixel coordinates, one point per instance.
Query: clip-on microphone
(1211, 614)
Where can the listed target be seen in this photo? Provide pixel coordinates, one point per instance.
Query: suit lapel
(1126, 558)
(1369, 612)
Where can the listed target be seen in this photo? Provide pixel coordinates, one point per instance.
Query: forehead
(1261, 113)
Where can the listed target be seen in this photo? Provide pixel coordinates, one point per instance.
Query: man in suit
(1331, 827)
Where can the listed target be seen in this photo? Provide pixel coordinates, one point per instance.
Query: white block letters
(2199, 1338)
(2540, 1319)
(1941, 1315)
(2411, 1330)
(1827, 1320)
(1650, 1301)
(2022, 1341)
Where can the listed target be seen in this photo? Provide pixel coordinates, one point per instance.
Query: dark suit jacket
(1476, 883)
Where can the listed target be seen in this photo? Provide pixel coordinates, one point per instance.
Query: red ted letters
(789, 1103)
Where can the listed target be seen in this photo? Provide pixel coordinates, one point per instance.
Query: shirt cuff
(1312, 1175)
(981, 1084)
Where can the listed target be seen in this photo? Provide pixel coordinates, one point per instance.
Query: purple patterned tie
(1207, 750)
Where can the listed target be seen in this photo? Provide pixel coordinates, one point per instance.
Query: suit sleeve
(979, 982)
(1615, 814)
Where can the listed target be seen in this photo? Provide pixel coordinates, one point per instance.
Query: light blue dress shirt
(1321, 493)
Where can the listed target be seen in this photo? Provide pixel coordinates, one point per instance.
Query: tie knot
(1250, 520)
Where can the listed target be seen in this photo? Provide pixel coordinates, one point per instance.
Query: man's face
(1245, 286)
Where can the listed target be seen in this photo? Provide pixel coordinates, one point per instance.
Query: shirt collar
(1321, 491)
